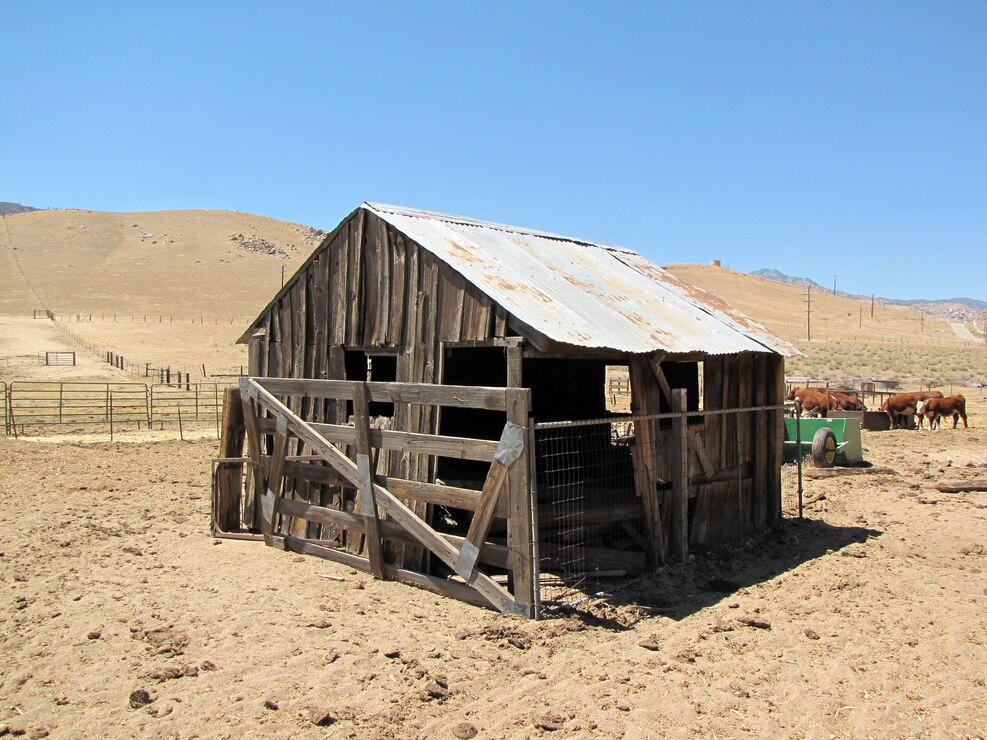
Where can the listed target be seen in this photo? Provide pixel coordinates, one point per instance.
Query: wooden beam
(962, 486)
(275, 478)
(645, 401)
(679, 540)
(250, 506)
(699, 447)
(228, 501)
(491, 553)
(367, 503)
(655, 362)
(426, 394)
(522, 521)
(512, 442)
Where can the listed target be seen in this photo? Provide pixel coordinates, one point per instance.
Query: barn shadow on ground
(717, 575)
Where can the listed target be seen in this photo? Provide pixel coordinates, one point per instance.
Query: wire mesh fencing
(589, 517)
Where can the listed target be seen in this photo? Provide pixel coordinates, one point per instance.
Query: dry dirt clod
(94, 635)
(650, 644)
(435, 690)
(464, 731)
(550, 722)
(140, 698)
(811, 633)
(761, 624)
(271, 704)
(392, 653)
(320, 717)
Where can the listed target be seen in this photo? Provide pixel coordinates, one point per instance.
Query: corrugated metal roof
(583, 293)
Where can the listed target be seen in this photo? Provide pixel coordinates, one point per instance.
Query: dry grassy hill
(848, 343)
(782, 308)
(175, 263)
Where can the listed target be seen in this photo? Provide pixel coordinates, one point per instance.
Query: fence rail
(38, 403)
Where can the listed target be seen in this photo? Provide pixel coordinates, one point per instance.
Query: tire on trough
(824, 448)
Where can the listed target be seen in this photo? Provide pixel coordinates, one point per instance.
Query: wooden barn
(429, 400)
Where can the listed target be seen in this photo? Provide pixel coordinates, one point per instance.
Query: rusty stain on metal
(583, 293)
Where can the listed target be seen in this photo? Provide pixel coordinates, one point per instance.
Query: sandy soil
(866, 619)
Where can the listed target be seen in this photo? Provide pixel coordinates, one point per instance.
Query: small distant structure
(715, 263)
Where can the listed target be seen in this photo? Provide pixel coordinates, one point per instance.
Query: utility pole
(834, 283)
(860, 323)
(808, 313)
(872, 305)
(921, 314)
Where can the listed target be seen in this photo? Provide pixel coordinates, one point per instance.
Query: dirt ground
(120, 616)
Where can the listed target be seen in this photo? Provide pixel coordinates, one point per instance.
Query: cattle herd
(929, 406)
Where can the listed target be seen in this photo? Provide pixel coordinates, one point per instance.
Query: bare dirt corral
(121, 616)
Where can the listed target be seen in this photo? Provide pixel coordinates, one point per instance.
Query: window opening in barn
(682, 375)
(372, 366)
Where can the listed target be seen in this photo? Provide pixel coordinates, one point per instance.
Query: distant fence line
(823, 339)
(46, 403)
(162, 374)
(145, 318)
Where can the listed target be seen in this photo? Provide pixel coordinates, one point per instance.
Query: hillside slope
(782, 308)
(181, 263)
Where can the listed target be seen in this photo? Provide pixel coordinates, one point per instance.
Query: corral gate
(288, 521)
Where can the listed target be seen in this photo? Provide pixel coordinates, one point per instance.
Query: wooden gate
(380, 513)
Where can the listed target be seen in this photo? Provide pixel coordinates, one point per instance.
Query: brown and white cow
(901, 404)
(846, 402)
(814, 402)
(937, 409)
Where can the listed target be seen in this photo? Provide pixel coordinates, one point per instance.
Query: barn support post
(645, 402)
(679, 535)
(520, 523)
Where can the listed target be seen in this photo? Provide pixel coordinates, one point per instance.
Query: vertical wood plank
(229, 476)
(644, 402)
(364, 460)
(679, 535)
(520, 521)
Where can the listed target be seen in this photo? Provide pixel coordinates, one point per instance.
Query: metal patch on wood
(267, 506)
(511, 444)
(367, 507)
(468, 555)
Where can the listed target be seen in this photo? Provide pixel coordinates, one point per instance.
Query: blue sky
(821, 139)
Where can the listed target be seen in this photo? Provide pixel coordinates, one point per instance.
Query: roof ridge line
(493, 226)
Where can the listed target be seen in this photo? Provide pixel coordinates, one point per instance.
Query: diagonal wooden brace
(492, 591)
(508, 451)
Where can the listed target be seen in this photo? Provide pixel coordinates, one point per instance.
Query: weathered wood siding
(745, 450)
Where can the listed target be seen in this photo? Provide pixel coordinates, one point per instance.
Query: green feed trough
(828, 441)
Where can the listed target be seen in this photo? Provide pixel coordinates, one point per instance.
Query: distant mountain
(948, 309)
(767, 272)
(9, 209)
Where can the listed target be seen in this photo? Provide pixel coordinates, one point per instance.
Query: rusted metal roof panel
(583, 293)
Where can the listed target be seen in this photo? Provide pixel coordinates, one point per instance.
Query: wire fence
(590, 520)
(593, 536)
(32, 405)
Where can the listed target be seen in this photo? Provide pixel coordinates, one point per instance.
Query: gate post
(520, 538)
(229, 476)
